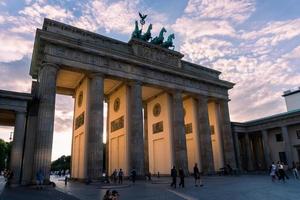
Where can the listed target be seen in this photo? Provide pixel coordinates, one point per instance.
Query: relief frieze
(117, 124)
(158, 127)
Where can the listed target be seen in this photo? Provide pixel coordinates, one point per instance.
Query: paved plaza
(246, 187)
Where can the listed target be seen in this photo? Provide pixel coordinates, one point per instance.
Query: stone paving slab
(26, 193)
(246, 187)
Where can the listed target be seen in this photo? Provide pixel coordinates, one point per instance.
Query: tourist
(181, 176)
(114, 195)
(120, 175)
(40, 179)
(273, 169)
(295, 171)
(108, 195)
(148, 175)
(196, 175)
(66, 180)
(133, 175)
(281, 174)
(174, 177)
(115, 176)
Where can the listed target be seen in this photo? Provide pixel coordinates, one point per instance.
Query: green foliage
(64, 162)
(4, 154)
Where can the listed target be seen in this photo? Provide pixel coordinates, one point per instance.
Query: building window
(298, 134)
(282, 157)
(279, 137)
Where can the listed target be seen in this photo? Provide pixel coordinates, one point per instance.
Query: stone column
(287, 145)
(30, 137)
(94, 122)
(237, 150)
(135, 134)
(107, 138)
(204, 136)
(249, 152)
(146, 145)
(17, 147)
(179, 140)
(266, 147)
(45, 121)
(228, 147)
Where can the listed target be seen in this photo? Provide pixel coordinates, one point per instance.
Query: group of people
(277, 171)
(198, 181)
(117, 176)
(111, 195)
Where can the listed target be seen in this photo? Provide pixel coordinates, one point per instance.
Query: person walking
(174, 177)
(181, 176)
(273, 169)
(133, 175)
(120, 175)
(115, 176)
(281, 174)
(197, 176)
(295, 171)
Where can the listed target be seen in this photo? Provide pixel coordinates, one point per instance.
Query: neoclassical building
(275, 138)
(162, 110)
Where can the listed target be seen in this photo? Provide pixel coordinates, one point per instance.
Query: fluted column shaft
(94, 143)
(228, 146)
(266, 147)
(287, 145)
(47, 91)
(204, 136)
(249, 152)
(179, 139)
(17, 147)
(135, 135)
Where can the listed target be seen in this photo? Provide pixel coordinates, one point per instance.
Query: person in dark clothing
(120, 175)
(174, 177)
(181, 176)
(133, 175)
(197, 175)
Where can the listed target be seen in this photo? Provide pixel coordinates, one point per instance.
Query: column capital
(134, 82)
(201, 97)
(95, 74)
(20, 112)
(52, 65)
(174, 92)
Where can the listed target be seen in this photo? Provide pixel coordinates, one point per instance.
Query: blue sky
(255, 44)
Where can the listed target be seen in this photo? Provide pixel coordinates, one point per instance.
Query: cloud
(13, 47)
(231, 10)
(252, 58)
(206, 49)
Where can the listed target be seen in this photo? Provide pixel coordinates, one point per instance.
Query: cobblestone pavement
(246, 187)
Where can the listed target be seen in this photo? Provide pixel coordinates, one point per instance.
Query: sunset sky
(255, 44)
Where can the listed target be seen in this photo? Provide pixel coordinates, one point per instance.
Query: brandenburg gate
(162, 110)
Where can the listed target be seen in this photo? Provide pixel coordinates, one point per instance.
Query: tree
(4, 154)
(62, 163)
